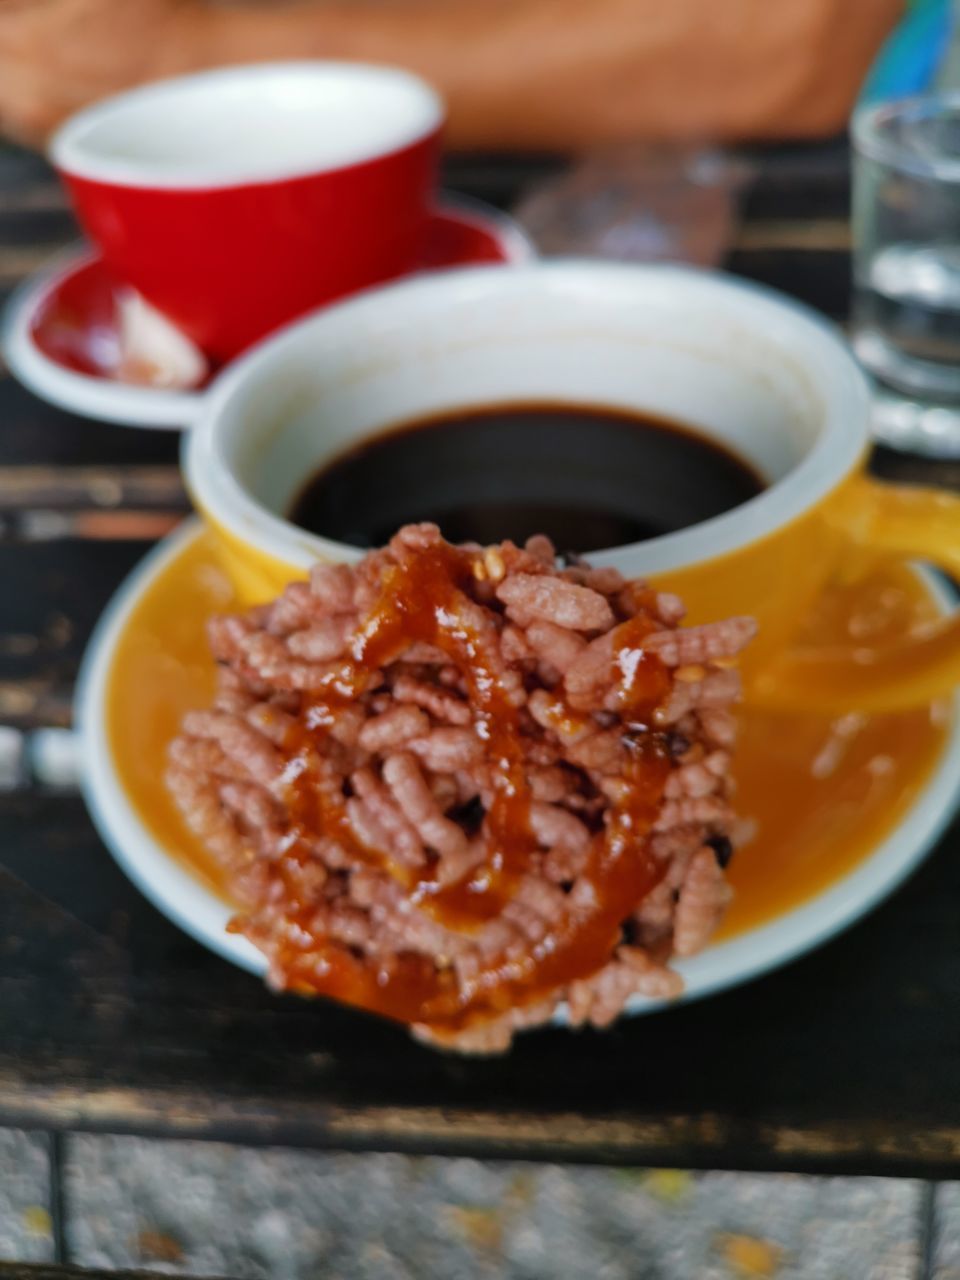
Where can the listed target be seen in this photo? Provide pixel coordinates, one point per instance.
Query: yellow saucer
(843, 809)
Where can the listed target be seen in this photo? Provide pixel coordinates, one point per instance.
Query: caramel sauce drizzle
(424, 599)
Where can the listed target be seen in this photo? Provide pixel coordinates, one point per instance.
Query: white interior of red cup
(760, 374)
(248, 124)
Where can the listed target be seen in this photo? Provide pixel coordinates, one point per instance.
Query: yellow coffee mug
(748, 368)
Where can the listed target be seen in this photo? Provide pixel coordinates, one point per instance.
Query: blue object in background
(911, 57)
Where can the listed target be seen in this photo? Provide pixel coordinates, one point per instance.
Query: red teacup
(236, 199)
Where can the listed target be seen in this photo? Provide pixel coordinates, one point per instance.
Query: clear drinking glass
(906, 235)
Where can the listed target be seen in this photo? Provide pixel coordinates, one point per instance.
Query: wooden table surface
(110, 1018)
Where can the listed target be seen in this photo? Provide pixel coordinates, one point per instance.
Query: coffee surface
(589, 478)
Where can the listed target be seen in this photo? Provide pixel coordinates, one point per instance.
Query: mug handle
(882, 521)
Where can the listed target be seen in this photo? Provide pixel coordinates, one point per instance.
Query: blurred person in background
(517, 74)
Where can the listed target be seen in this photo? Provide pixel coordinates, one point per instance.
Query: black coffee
(587, 477)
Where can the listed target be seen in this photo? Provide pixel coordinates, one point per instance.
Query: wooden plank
(498, 179)
(53, 594)
(113, 1019)
(55, 525)
(820, 277)
(17, 261)
(907, 469)
(43, 230)
(40, 703)
(146, 487)
(33, 433)
(891, 1147)
(810, 236)
(43, 195)
(804, 182)
(20, 166)
(48, 503)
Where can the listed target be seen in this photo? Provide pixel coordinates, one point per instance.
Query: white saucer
(200, 913)
(61, 331)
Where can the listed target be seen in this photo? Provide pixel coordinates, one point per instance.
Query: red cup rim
(93, 144)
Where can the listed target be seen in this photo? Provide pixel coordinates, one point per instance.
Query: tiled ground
(26, 1231)
(219, 1210)
(946, 1232)
(216, 1210)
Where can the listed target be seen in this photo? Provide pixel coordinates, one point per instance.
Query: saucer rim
(153, 408)
(158, 408)
(755, 952)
